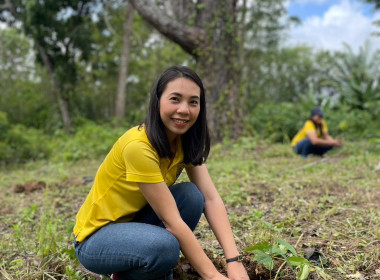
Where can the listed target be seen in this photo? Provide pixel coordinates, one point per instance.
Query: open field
(326, 207)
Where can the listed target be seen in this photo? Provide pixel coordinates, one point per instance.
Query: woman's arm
(217, 217)
(327, 137)
(326, 141)
(163, 203)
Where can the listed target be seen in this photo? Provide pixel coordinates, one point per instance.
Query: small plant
(266, 253)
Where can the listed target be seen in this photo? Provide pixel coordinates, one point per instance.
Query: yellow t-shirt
(115, 195)
(308, 127)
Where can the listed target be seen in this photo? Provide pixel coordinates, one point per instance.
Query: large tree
(208, 31)
(219, 35)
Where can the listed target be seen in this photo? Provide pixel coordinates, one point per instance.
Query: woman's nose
(183, 108)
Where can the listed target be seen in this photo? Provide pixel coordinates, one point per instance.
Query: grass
(329, 206)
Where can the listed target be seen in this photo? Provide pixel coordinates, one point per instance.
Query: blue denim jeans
(305, 147)
(143, 248)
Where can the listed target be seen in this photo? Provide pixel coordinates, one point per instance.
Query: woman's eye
(174, 98)
(194, 102)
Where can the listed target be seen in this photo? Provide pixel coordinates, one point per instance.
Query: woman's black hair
(196, 141)
(318, 126)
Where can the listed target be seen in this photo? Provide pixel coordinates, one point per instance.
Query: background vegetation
(76, 74)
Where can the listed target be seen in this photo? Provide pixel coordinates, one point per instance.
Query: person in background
(314, 138)
(136, 219)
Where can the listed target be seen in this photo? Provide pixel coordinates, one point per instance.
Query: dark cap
(317, 111)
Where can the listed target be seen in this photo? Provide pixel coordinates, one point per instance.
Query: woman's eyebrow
(180, 95)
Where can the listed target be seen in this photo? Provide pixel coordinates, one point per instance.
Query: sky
(327, 24)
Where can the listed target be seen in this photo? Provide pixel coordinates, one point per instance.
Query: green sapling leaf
(264, 259)
(287, 246)
(277, 250)
(304, 273)
(262, 246)
(298, 261)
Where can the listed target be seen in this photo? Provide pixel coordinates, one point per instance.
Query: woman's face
(317, 118)
(179, 106)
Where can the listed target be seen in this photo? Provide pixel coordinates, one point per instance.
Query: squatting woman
(135, 220)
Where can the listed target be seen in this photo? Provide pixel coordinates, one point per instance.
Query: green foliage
(90, 141)
(285, 75)
(277, 122)
(19, 143)
(357, 79)
(24, 95)
(353, 124)
(64, 29)
(150, 54)
(265, 24)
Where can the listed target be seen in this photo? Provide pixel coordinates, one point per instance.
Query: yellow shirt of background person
(309, 126)
(115, 196)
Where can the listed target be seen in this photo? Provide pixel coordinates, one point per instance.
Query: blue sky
(307, 8)
(327, 24)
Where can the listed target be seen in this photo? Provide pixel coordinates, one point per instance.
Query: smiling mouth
(180, 121)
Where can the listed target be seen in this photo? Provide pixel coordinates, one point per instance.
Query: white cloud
(343, 22)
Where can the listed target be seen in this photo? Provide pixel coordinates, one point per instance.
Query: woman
(131, 224)
(314, 137)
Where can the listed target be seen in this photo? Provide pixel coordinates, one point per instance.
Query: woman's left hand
(236, 271)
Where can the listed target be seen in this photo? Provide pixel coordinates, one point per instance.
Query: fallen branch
(312, 164)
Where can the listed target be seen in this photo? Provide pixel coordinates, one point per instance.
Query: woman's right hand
(338, 143)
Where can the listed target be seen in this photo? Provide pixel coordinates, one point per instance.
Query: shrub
(90, 141)
(277, 122)
(353, 124)
(18, 143)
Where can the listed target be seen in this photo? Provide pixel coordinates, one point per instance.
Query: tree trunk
(217, 65)
(211, 40)
(62, 103)
(124, 61)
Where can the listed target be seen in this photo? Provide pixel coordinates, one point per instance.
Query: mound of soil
(184, 270)
(29, 187)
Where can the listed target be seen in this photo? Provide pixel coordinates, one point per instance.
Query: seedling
(266, 253)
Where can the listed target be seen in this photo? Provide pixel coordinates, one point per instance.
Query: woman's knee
(165, 255)
(189, 193)
(196, 198)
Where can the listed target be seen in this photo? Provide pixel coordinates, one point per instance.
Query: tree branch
(4, 7)
(8, 6)
(189, 38)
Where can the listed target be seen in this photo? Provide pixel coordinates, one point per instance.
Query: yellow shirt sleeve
(142, 163)
(309, 127)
